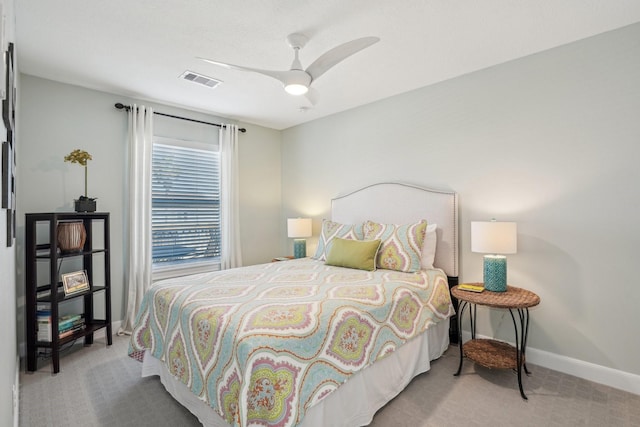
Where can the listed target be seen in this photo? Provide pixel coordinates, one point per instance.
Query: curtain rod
(121, 106)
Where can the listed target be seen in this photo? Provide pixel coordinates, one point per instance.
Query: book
(43, 322)
(77, 323)
(68, 319)
(44, 331)
(65, 323)
(71, 331)
(471, 287)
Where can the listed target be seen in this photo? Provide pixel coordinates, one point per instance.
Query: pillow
(401, 244)
(429, 247)
(331, 230)
(360, 254)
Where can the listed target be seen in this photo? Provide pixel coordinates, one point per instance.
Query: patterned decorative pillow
(331, 230)
(401, 244)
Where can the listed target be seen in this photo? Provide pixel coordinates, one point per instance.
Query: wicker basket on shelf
(71, 236)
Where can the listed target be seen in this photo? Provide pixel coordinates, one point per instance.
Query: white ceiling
(139, 48)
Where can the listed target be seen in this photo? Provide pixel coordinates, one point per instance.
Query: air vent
(200, 79)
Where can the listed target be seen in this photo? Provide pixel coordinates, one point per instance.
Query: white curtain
(231, 255)
(138, 265)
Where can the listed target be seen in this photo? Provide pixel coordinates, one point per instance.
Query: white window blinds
(185, 203)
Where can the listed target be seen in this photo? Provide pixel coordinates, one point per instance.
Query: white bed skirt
(354, 403)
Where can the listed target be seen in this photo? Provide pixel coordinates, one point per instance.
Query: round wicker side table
(492, 353)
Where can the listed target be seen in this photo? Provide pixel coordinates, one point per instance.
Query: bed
(301, 342)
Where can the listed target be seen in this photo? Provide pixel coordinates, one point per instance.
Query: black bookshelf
(41, 255)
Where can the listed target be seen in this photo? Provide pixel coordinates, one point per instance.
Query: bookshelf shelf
(88, 329)
(62, 297)
(51, 294)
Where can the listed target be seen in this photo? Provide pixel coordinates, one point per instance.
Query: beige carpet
(101, 386)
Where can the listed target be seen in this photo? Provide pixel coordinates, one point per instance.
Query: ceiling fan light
(296, 82)
(296, 89)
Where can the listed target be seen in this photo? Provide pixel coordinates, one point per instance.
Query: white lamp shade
(493, 237)
(299, 227)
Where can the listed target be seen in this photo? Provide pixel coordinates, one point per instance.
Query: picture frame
(11, 227)
(7, 175)
(76, 282)
(9, 101)
(8, 190)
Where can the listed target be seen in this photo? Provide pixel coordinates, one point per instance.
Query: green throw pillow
(360, 254)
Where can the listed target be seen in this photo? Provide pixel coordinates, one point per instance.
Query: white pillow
(429, 247)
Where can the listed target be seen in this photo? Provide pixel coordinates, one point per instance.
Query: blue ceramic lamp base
(299, 248)
(495, 273)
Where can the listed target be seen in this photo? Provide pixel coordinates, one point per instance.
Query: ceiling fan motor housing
(297, 82)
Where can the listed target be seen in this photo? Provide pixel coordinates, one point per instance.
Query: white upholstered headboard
(396, 203)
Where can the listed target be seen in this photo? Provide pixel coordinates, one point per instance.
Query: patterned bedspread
(262, 344)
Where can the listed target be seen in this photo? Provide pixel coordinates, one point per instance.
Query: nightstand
(491, 353)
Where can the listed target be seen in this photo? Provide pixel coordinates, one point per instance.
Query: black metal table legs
(521, 328)
(521, 343)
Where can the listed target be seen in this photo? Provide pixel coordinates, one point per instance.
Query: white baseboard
(578, 368)
(589, 371)
(16, 394)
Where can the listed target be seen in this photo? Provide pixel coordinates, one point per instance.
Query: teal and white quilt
(263, 344)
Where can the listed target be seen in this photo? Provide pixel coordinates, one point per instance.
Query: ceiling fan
(297, 80)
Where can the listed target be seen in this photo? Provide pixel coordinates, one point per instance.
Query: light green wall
(10, 285)
(57, 118)
(550, 141)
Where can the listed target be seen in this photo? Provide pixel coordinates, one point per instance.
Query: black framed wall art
(8, 190)
(9, 101)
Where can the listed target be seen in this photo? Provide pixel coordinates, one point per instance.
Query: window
(185, 205)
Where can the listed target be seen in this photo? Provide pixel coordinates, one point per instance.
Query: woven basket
(71, 236)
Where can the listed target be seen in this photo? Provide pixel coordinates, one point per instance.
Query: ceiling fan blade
(282, 76)
(312, 96)
(338, 54)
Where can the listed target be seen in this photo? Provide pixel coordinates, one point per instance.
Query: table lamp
(495, 239)
(299, 229)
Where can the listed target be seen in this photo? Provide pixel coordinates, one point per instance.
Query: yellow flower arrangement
(80, 157)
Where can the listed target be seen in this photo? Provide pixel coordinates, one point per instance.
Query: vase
(71, 236)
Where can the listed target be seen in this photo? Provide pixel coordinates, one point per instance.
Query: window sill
(171, 271)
